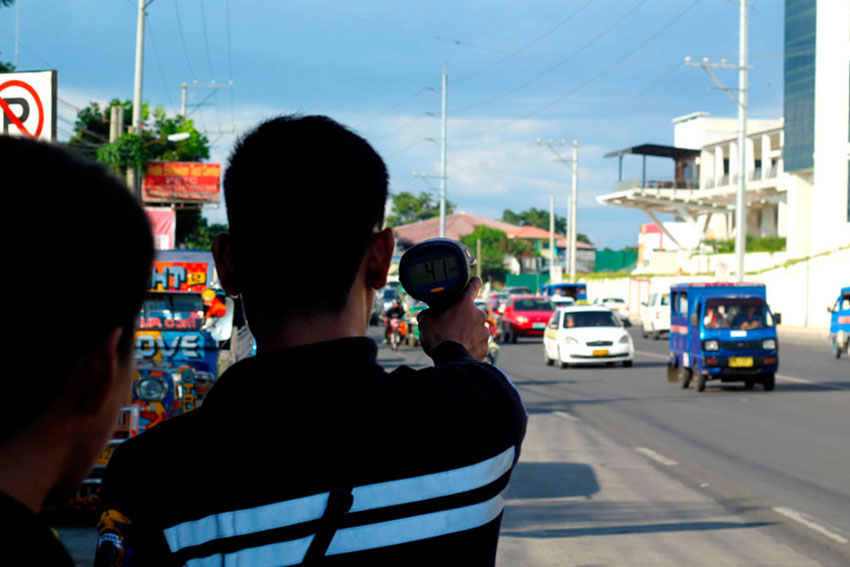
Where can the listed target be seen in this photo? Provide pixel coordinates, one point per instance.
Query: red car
(525, 316)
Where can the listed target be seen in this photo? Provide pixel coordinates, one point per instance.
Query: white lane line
(657, 457)
(809, 523)
(793, 379)
(652, 354)
(567, 416)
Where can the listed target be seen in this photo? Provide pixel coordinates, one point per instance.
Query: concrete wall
(801, 293)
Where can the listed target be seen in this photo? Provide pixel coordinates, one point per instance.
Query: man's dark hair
(304, 195)
(78, 250)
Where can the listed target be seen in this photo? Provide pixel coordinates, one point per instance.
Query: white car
(615, 304)
(586, 334)
(655, 315)
(562, 300)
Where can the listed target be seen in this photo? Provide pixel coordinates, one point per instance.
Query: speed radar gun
(436, 271)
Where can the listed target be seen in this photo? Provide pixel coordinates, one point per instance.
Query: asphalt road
(620, 467)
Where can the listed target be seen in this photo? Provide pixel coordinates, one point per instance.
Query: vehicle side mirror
(777, 317)
(829, 309)
(694, 320)
(644, 303)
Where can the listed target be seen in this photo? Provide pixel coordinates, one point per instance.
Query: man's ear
(222, 250)
(378, 258)
(95, 376)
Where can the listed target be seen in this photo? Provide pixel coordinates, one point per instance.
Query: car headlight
(152, 388)
(768, 344)
(624, 339)
(569, 341)
(711, 345)
(522, 320)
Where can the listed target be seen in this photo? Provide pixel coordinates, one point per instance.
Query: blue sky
(608, 73)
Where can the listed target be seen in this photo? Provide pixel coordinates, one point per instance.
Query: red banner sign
(181, 182)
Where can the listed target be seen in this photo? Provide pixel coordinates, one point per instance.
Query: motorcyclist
(396, 311)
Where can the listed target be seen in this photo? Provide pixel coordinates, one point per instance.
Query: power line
(557, 65)
(393, 107)
(528, 45)
(206, 39)
(593, 78)
(183, 41)
(229, 62)
(159, 63)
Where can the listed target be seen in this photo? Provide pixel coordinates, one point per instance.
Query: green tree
(540, 219)
(408, 208)
(495, 248)
(194, 231)
(91, 137)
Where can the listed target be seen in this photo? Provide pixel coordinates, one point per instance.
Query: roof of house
(562, 243)
(457, 225)
(461, 224)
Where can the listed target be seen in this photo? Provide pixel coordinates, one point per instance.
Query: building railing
(653, 184)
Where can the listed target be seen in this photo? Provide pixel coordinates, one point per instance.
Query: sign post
(28, 105)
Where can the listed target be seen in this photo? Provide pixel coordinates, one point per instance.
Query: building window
(799, 79)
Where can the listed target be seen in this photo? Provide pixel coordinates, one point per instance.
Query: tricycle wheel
(748, 384)
(561, 362)
(700, 382)
(549, 361)
(684, 376)
(769, 382)
(836, 348)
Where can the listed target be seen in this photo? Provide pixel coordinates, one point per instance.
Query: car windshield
(739, 314)
(590, 319)
(161, 310)
(390, 294)
(665, 299)
(533, 305)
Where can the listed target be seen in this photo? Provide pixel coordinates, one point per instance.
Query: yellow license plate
(105, 455)
(600, 353)
(740, 362)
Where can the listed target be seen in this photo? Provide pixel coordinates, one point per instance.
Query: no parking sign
(28, 105)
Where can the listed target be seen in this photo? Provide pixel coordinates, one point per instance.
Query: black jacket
(428, 454)
(26, 539)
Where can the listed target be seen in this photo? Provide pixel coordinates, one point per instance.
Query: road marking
(792, 379)
(652, 354)
(809, 523)
(657, 457)
(567, 416)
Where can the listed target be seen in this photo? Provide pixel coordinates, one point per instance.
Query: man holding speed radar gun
(310, 452)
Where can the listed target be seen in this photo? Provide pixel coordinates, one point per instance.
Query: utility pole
(133, 173)
(17, 30)
(573, 213)
(443, 157)
(116, 122)
(571, 229)
(742, 103)
(195, 85)
(551, 236)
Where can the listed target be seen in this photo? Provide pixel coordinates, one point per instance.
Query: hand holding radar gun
(438, 272)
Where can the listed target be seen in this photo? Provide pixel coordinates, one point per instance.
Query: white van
(655, 315)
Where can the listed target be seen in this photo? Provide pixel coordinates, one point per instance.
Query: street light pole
(573, 214)
(742, 103)
(443, 157)
(740, 201)
(133, 173)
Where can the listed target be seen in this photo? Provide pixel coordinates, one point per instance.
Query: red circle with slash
(14, 119)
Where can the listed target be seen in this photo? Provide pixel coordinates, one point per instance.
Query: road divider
(567, 416)
(657, 457)
(809, 523)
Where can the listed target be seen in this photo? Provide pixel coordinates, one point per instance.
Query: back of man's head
(304, 196)
(78, 251)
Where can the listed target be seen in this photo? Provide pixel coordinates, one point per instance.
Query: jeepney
(722, 331)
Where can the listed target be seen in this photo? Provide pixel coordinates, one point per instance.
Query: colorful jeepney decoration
(189, 332)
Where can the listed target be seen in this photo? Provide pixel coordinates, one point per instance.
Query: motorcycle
(397, 332)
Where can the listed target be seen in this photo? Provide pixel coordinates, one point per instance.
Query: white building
(797, 168)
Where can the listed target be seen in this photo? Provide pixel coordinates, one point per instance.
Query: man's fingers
(474, 287)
